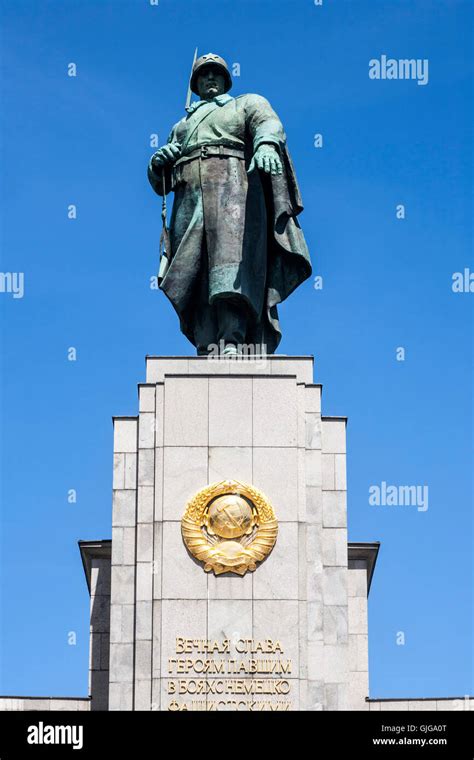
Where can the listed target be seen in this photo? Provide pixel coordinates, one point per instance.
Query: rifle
(165, 245)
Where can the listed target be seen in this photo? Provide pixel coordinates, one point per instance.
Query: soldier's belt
(210, 151)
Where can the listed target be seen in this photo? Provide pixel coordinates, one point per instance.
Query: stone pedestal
(257, 420)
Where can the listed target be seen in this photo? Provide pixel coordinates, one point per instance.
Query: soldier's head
(210, 76)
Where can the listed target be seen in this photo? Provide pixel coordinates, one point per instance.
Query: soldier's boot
(232, 320)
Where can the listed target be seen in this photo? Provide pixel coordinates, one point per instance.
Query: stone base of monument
(290, 634)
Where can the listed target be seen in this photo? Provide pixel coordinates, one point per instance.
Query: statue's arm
(267, 133)
(161, 164)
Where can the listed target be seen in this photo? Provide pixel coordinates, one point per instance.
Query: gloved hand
(267, 159)
(166, 155)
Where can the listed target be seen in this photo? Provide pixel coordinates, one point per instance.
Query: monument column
(273, 638)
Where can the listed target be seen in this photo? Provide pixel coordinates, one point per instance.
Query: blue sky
(387, 284)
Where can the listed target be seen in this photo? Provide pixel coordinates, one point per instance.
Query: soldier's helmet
(206, 60)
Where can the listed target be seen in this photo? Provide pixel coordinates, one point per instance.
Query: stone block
(94, 651)
(229, 619)
(230, 411)
(100, 577)
(144, 589)
(100, 614)
(315, 620)
(159, 483)
(116, 623)
(302, 642)
(358, 691)
(142, 695)
(331, 697)
(335, 624)
(123, 584)
(229, 586)
(313, 431)
(328, 472)
(130, 480)
(186, 411)
(143, 660)
(424, 705)
(158, 367)
(357, 581)
(277, 576)
(358, 615)
(230, 463)
(180, 618)
(398, 706)
(99, 691)
(314, 505)
(274, 412)
(301, 421)
(121, 696)
(301, 475)
(143, 625)
(123, 508)
(275, 472)
(334, 547)
(315, 695)
(146, 430)
(146, 398)
(118, 481)
(146, 467)
(105, 651)
(333, 436)
(156, 695)
(315, 655)
(302, 564)
(334, 584)
(313, 399)
(313, 472)
(335, 663)
(279, 620)
(160, 415)
(156, 639)
(374, 706)
(314, 554)
(451, 704)
(128, 546)
(250, 366)
(125, 435)
(121, 663)
(334, 509)
(213, 365)
(301, 368)
(157, 560)
(128, 622)
(183, 577)
(11, 704)
(340, 472)
(144, 542)
(145, 504)
(185, 473)
(37, 704)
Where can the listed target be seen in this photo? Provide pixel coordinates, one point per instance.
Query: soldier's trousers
(221, 323)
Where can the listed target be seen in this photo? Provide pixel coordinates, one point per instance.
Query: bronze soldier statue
(237, 249)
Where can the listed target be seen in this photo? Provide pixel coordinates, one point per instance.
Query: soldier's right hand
(166, 155)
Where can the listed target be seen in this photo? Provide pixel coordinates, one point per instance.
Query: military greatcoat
(233, 234)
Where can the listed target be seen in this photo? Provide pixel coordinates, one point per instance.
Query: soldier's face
(210, 82)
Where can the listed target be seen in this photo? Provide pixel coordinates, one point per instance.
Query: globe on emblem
(229, 516)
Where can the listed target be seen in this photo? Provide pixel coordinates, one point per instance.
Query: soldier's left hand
(267, 159)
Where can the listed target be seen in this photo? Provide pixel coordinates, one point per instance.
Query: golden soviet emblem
(230, 526)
